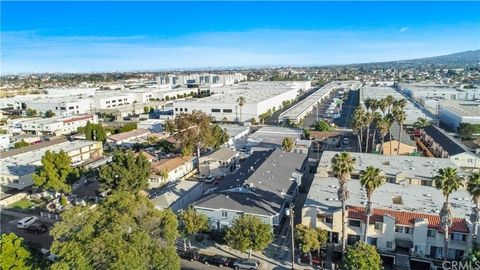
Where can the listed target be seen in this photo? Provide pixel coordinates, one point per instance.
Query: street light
(290, 212)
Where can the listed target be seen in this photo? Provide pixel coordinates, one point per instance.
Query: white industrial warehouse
(259, 98)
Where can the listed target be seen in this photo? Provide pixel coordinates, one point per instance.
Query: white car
(25, 222)
(250, 264)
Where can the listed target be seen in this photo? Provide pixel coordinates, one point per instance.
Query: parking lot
(9, 225)
(322, 108)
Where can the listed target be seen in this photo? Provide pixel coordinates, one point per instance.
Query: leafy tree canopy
(192, 222)
(249, 233)
(20, 144)
(56, 172)
(125, 231)
(126, 172)
(362, 256)
(287, 144)
(15, 254)
(322, 126)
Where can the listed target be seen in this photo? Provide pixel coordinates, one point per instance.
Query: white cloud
(403, 29)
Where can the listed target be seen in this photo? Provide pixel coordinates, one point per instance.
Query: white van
(25, 222)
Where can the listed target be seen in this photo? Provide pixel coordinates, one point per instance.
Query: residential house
(390, 147)
(177, 168)
(219, 163)
(264, 186)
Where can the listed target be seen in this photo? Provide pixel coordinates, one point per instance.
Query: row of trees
(95, 132)
(447, 181)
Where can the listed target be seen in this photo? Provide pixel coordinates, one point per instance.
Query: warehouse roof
(462, 108)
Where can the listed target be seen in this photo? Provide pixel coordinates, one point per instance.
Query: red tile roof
(79, 118)
(407, 218)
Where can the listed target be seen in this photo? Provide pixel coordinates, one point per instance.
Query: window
(389, 244)
(215, 110)
(71, 108)
(352, 239)
(398, 229)
(354, 223)
(181, 109)
(186, 109)
(329, 220)
(227, 110)
(224, 214)
(431, 233)
(408, 230)
(458, 236)
(176, 109)
(378, 226)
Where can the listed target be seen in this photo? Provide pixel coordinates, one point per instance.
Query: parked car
(346, 140)
(37, 228)
(25, 222)
(209, 179)
(191, 255)
(217, 260)
(250, 264)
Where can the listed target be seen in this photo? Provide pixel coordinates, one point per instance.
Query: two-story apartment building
(177, 168)
(405, 220)
(442, 145)
(264, 186)
(219, 163)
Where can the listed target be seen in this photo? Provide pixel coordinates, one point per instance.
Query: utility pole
(291, 213)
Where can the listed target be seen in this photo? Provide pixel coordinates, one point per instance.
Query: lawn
(24, 205)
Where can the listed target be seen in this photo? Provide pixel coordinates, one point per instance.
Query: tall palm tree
(342, 166)
(383, 105)
(371, 179)
(448, 181)
(389, 100)
(367, 119)
(390, 118)
(400, 117)
(374, 105)
(383, 127)
(368, 103)
(473, 187)
(241, 102)
(358, 123)
(376, 120)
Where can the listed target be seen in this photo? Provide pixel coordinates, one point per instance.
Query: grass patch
(23, 205)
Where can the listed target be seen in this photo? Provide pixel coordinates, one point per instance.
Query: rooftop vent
(397, 199)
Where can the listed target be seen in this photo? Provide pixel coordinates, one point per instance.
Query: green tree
(342, 166)
(421, 123)
(362, 256)
(55, 172)
(466, 130)
(307, 238)
(128, 127)
(322, 126)
(473, 257)
(146, 109)
(306, 133)
(31, 112)
(219, 136)
(371, 179)
(191, 222)
(100, 134)
(20, 144)
(473, 187)
(447, 180)
(15, 255)
(287, 144)
(367, 120)
(126, 172)
(49, 114)
(125, 231)
(241, 102)
(249, 233)
(400, 116)
(89, 131)
(383, 127)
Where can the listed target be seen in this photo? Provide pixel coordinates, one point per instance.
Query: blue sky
(117, 36)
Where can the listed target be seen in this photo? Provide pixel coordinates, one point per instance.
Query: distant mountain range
(461, 59)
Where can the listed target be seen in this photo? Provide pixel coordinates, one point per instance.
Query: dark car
(217, 260)
(37, 228)
(191, 255)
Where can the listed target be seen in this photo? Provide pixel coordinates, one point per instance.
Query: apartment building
(177, 168)
(405, 224)
(57, 125)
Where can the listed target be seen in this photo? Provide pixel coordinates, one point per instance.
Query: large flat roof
(171, 193)
(462, 108)
(412, 112)
(422, 199)
(418, 167)
(300, 107)
(274, 135)
(253, 92)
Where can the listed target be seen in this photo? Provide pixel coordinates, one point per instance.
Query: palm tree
(383, 127)
(376, 119)
(389, 100)
(400, 117)
(241, 102)
(383, 105)
(448, 181)
(473, 187)
(374, 105)
(342, 166)
(368, 103)
(367, 118)
(421, 123)
(371, 179)
(390, 118)
(358, 123)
